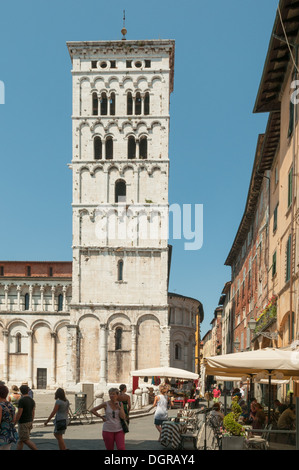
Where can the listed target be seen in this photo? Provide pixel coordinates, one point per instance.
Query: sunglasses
(113, 414)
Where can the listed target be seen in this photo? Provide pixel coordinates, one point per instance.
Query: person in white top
(161, 402)
(112, 429)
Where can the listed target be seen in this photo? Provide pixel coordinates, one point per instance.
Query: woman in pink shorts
(112, 429)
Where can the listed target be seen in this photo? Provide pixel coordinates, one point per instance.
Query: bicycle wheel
(86, 417)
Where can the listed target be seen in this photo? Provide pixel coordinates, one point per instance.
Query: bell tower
(120, 167)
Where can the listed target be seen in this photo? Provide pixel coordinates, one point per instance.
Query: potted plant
(233, 435)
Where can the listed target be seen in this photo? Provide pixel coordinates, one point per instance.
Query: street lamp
(251, 324)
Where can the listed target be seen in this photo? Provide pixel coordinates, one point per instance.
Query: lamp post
(237, 345)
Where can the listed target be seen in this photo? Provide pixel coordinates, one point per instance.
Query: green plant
(230, 421)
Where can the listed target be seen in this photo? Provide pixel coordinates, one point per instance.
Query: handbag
(124, 425)
(61, 425)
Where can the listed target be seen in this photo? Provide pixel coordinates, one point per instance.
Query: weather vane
(124, 31)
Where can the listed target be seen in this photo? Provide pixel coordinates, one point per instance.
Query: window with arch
(18, 343)
(129, 104)
(60, 303)
(97, 148)
(131, 147)
(118, 338)
(109, 148)
(120, 191)
(146, 104)
(112, 104)
(143, 148)
(120, 270)
(104, 104)
(95, 104)
(138, 102)
(178, 352)
(26, 301)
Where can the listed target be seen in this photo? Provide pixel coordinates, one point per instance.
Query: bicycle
(81, 414)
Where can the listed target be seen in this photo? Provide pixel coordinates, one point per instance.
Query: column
(53, 298)
(134, 346)
(6, 289)
(5, 352)
(53, 359)
(64, 298)
(30, 298)
(186, 356)
(165, 346)
(42, 289)
(103, 354)
(30, 358)
(19, 297)
(71, 355)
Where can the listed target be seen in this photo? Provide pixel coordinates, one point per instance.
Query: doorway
(41, 379)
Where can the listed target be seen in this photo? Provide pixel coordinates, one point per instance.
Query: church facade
(107, 312)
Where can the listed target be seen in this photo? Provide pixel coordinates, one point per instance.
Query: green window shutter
(275, 218)
(288, 264)
(291, 119)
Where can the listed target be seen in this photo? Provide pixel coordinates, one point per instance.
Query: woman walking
(14, 397)
(112, 428)
(161, 414)
(8, 433)
(60, 411)
(125, 399)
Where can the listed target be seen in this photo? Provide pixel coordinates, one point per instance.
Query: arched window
(118, 338)
(60, 303)
(129, 104)
(18, 343)
(97, 148)
(109, 148)
(131, 147)
(112, 104)
(178, 352)
(146, 104)
(104, 104)
(120, 191)
(138, 103)
(120, 270)
(26, 301)
(143, 148)
(95, 104)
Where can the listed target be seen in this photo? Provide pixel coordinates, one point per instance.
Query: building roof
(278, 57)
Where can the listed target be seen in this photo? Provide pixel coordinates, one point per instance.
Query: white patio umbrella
(277, 363)
(165, 372)
(273, 361)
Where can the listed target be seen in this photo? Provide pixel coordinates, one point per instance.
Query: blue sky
(220, 52)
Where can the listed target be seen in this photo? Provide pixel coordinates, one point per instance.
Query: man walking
(25, 418)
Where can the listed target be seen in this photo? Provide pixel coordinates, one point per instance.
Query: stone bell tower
(120, 166)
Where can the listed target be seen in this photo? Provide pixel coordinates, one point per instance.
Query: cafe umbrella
(274, 363)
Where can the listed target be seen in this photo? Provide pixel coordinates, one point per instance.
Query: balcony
(267, 317)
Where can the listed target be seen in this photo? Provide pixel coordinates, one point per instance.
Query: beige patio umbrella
(276, 363)
(273, 361)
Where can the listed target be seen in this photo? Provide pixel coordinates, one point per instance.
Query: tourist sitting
(216, 415)
(259, 419)
(287, 418)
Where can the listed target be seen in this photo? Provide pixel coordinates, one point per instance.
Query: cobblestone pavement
(142, 436)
